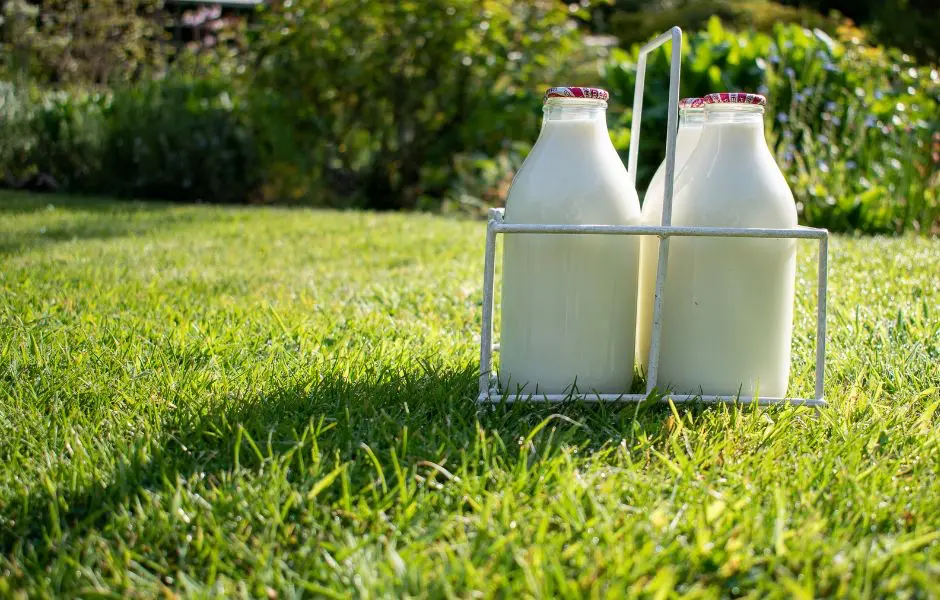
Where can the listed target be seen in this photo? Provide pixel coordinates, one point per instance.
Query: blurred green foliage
(635, 21)
(910, 25)
(53, 135)
(854, 128)
(179, 139)
(66, 42)
(16, 135)
(182, 139)
(434, 105)
(371, 103)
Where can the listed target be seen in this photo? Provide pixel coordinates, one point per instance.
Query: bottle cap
(587, 93)
(687, 103)
(735, 98)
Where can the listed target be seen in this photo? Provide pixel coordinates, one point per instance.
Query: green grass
(202, 400)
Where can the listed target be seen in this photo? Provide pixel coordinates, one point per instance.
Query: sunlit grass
(272, 402)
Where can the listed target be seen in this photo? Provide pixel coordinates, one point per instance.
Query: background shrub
(16, 133)
(372, 103)
(910, 25)
(65, 42)
(68, 130)
(853, 127)
(180, 139)
(635, 21)
(50, 139)
(434, 105)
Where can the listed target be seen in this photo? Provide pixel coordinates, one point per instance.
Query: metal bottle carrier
(489, 388)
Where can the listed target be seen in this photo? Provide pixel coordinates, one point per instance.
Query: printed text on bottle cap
(577, 92)
(735, 98)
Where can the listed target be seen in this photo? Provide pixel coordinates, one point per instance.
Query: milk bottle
(569, 301)
(728, 303)
(691, 119)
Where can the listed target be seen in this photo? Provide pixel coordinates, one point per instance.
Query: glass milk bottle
(728, 303)
(569, 301)
(691, 119)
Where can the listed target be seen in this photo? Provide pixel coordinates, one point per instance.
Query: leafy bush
(69, 132)
(632, 22)
(68, 42)
(54, 135)
(180, 140)
(910, 25)
(853, 132)
(173, 139)
(16, 134)
(851, 125)
(401, 105)
(482, 181)
(371, 102)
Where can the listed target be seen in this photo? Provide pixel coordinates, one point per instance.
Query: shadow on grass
(435, 406)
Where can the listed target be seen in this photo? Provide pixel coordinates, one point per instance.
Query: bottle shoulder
(586, 184)
(733, 189)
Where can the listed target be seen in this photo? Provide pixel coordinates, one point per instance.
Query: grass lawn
(277, 403)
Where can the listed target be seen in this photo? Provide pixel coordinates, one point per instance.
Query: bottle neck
(735, 126)
(575, 109)
(691, 117)
(734, 113)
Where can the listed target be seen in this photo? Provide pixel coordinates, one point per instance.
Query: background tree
(907, 24)
(75, 41)
(386, 94)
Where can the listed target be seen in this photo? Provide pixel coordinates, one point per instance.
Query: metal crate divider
(489, 388)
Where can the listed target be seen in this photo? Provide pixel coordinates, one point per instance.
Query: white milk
(691, 120)
(569, 301)
(728, 304)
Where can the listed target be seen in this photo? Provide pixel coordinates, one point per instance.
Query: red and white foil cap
(735, 98)
(686, 103)
(587, 93)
